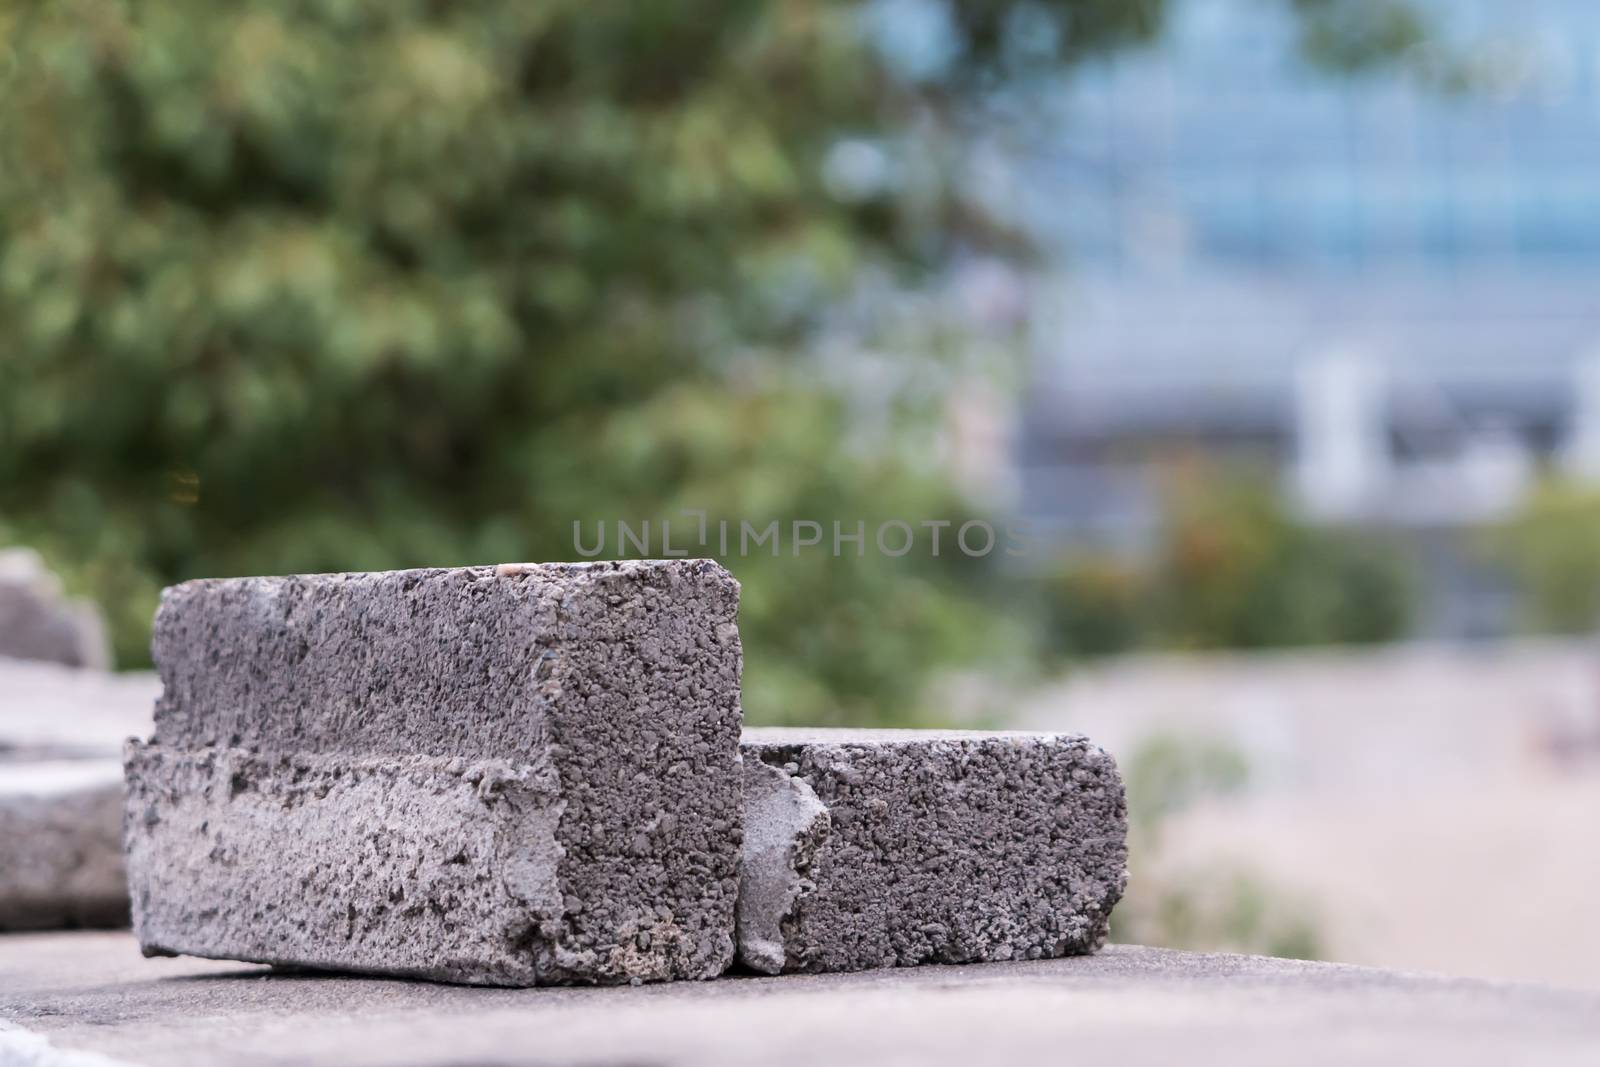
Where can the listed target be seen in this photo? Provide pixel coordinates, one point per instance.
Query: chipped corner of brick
(784, 825)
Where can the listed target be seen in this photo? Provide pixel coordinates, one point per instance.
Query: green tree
(292, 286)
(1231, 568)
(1237, 571)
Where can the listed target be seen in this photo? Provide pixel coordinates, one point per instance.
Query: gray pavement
(86, 999)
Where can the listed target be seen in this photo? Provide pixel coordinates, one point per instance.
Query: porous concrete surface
(39, 622)
(437, 868)
(574, 727)
(499, 662)
(61, 845)
(896, 848)
(87, 998)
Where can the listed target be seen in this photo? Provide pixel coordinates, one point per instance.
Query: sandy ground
(1348, 718)
(1496, 879)
(1432, 807)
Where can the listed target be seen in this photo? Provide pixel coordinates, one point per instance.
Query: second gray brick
(900, 847)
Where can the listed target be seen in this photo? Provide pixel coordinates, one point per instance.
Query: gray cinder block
(520, 775)
(894, 848)
(39, 622)
(60, 845)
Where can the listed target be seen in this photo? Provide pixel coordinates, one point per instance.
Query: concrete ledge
(90, 994)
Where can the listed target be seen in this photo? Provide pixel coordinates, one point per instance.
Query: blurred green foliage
(1094, 604)
(1215, 907)
(1231, 569)
(1552, 549)
(1222, 911)
(293, 286)
(1169, 773)
(1345, 35)
(1237, 571)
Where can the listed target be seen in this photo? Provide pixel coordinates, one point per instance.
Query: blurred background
(1274, 323)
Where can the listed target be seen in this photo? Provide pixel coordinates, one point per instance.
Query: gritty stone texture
(523, 774)
(90, 995)
(60, 845)
(438, 868)
(936, 847)
(38, 621)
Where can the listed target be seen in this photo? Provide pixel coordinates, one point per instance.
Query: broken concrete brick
(61, 845)
(523, 774)
(883, 848)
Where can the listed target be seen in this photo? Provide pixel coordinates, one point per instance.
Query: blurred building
(1388, 291)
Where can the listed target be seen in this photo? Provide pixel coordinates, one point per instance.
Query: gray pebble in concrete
(895, 848)
(497, 775)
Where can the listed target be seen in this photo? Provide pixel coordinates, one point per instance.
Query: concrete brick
(523, 774)
(60, 845)
(414, 865)
(894, 848)
(39, 622)
(61, 729)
